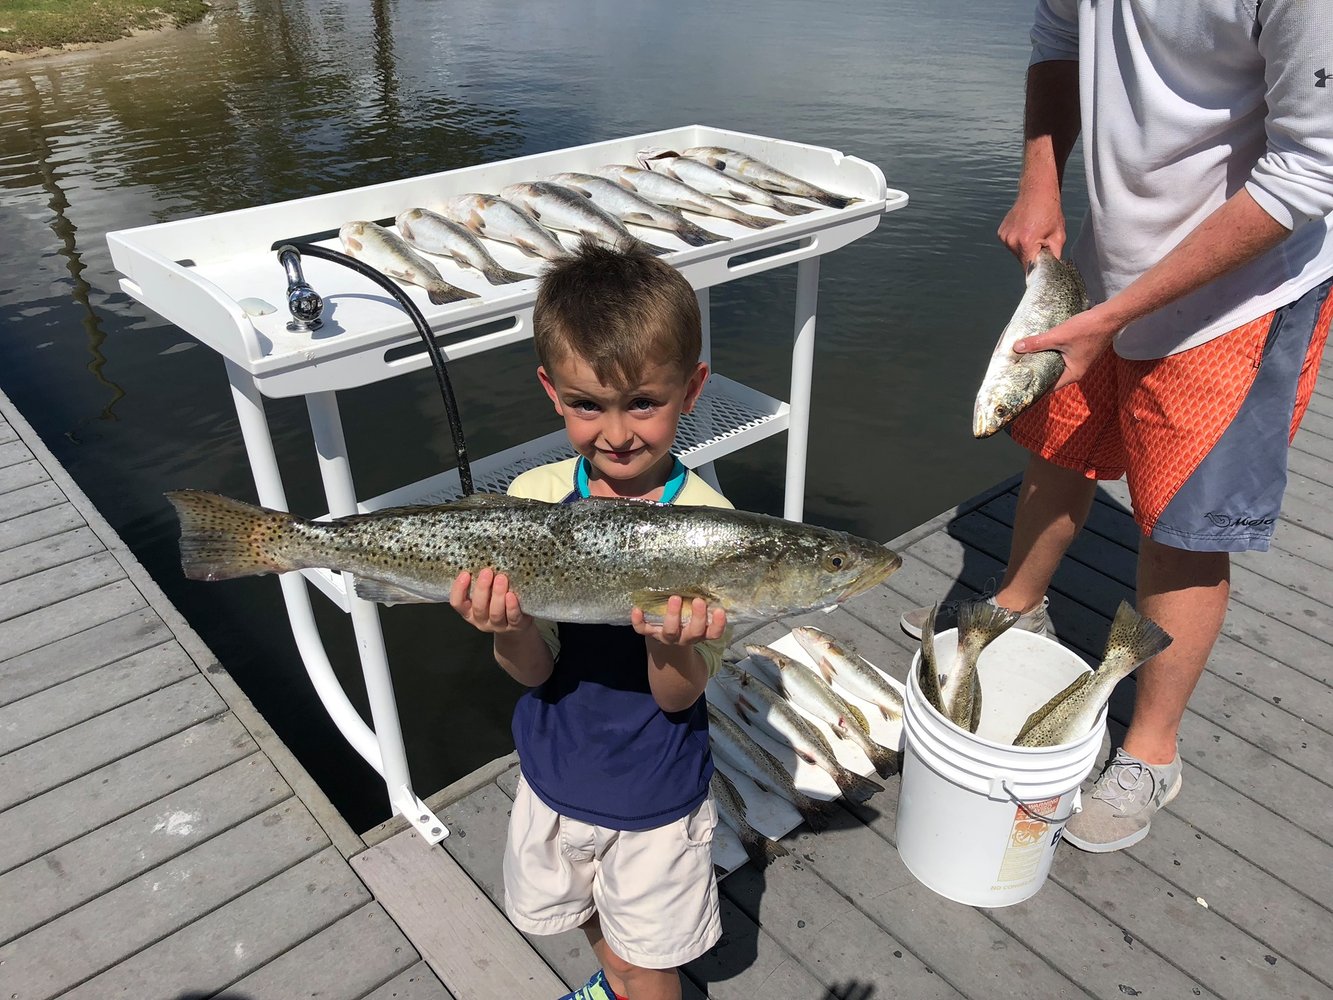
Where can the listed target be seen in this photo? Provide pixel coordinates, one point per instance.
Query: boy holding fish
(612, 825)
(1208, 250)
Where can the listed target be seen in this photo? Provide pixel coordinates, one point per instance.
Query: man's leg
(1053, 504)
(626, 979)
(1186, 593)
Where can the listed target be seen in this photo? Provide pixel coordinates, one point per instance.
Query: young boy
(612, 825)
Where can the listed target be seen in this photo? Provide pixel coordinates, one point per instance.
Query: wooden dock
(156, 839)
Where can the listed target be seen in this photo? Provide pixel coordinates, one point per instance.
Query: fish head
(810, 567)
(405, 220)
(1013, 389)
(646, 155)
(352, 235)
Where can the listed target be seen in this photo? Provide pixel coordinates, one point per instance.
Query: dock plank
(58, 621)
(58, 584)
(91, 694)
(237, 939)
(46, 553)
(73, 752)
(476, 953)
(82, 944)
(37, 524)
(13, 452)
(17, 477)
(108, 856)
(80, 652)
(69, 811)
(320, 965)
(28, 499)
(417, 983)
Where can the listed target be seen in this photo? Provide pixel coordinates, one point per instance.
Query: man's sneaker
(596, 988)
(1120, 806)
(914, 621)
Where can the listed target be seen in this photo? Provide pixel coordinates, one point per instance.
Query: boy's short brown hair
(618, 310)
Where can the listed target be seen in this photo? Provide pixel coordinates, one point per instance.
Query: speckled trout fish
(588, 561)
(1134, 639)
(1013, 382)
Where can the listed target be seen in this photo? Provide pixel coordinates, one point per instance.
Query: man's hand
(700, 625)
(1035, 221)
(491, 606)
(1081, 339)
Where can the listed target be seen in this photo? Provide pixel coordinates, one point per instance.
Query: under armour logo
(1321, 77)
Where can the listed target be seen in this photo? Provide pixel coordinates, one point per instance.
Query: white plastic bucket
(979, 818)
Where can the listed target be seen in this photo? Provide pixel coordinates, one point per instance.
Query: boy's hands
(700, 626)
(491, 606)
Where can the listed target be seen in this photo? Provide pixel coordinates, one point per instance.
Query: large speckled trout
(588, 561)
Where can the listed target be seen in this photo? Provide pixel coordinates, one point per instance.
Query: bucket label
(1028, 840)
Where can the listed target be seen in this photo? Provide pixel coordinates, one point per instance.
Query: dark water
(269, 100)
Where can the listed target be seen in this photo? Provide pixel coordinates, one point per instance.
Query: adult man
(1208, 250)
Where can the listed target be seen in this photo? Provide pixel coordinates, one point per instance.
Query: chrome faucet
(303, 301)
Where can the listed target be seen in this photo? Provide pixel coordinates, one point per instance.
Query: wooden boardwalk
(1230, 896)
(156, 840)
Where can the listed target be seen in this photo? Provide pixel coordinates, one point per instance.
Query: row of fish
(778, 696)
(1071, 713)
(703, 180)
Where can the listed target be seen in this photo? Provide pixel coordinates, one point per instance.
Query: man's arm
(1051, 123)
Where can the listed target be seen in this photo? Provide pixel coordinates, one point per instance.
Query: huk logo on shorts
(1237, 521)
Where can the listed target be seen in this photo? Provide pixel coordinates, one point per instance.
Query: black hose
(423, 328)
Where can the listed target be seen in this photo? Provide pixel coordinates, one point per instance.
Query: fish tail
(791, 207)
(753, 221)
(222, 538)
(887, 762)
(983, 622)
(1138, 636)
(813, 812)
(855, 787)
(442, 293)
(760, 849)
(655, 250)
(504, 276)
(697, 236)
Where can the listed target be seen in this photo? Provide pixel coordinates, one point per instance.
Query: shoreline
(133, 37)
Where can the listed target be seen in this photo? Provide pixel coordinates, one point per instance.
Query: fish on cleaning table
(627, 206)
(731, 805)
(764, 175)
(431, 232)
(664, 190)
(807, 689)
(1134, 640)
(1013, 382)
(758, 704)
(560, 207)
(502, 221)
(589, 561)
(842, 665)
(731, 743)
(702, 177)
(979, 624)
(388, 252)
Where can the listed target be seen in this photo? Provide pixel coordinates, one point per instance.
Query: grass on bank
(30, 25)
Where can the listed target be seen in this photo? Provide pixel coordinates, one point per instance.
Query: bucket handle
(1075, 806)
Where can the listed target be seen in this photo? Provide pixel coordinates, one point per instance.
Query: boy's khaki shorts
(653, 890)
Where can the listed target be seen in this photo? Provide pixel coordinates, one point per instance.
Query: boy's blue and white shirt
(592, 742)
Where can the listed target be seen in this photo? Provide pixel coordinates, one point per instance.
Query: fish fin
(352, 244)
(859, 717)
(755, 221)
(222, 538)
(814, 813)
(529, 248)
(827, 670)
(654, 602)
(744, 707)
(1139, 636)
(855, 787)
(887, 761)
(386, 593)
(839, 731)
(508, 277)
(832, 200)
(643, 218)
(473, 500)
(982, 622)
(697, 236)
(655, 250)
(793, 208)
(444, 293)
(759, 848)
(1036, 717)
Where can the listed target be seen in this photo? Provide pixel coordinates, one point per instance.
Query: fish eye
(1001, 410)
(835, 561)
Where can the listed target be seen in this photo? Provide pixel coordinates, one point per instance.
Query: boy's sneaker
(1120, 806)
(914, 621)
(596, 988)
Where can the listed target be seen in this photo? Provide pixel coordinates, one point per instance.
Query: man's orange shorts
(1201, 435)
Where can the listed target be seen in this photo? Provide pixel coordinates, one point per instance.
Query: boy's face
(625, 433)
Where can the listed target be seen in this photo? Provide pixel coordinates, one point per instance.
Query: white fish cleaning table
(208, 276)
